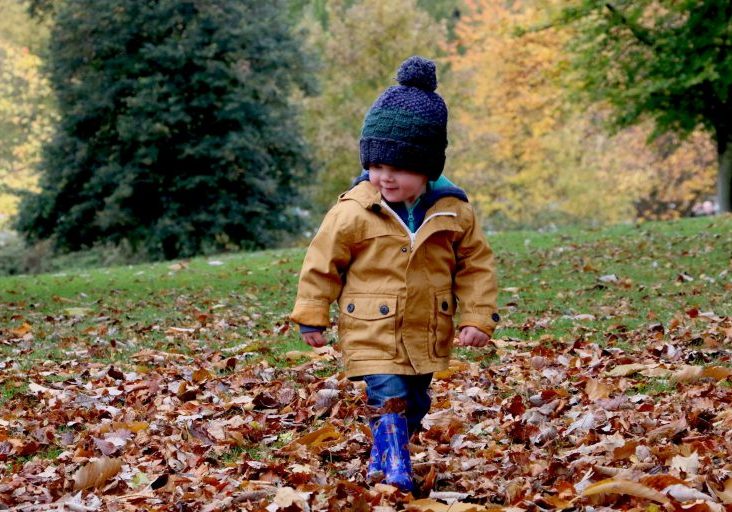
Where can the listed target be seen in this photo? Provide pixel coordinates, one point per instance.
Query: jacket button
(495, 317)
(350, 308)
(445, 305)
(404, 249)
(383, 309)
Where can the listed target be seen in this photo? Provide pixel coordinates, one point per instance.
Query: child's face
(397, 185)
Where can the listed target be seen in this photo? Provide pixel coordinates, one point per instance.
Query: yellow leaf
(201, 375)
(316, 440)
(430, 505)
(717, 372)
(624, 370)
(455, 367)
(595, 390)
(132, 426)
(687, 373)
(725, 495)
(96, 473)
(77, 311)
(21, 331)
(625, 487)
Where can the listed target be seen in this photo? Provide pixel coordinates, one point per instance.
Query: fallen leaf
(287, 497)
(625, 487)
(586, 422)
(681, 492)
(595, 390)
(96, 473)
(688, 373)
(717, 372)
(316, 440)
(725, 495)
(77, 311)
(689, 465)
(21, 331)
(623, 370)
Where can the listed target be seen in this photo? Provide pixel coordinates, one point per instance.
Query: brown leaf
(660, 482)
(106, 447)
(428, 504)
(625, 487)
(625, 451)
(201, 375)
(288, 497)
(318, 439)
(624, 370)
(596, 389)
(689, 465)
(688, 373)
(725, 495)
(115, 374)
(21, 331)
(96, 473)
(717, 372)
(517, 407)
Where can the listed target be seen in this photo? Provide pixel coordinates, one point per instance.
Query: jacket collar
(365, 194)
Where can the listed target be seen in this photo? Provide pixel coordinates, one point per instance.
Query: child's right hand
(314, 339)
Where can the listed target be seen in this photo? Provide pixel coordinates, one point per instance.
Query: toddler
(399, 251)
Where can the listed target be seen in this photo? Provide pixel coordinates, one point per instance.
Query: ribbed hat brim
(429, 161)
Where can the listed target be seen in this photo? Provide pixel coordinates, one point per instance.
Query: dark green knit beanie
(407, 125)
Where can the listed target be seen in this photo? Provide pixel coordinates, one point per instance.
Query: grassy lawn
(596, 285)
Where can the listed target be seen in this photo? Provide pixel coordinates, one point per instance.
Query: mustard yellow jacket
(397, 292)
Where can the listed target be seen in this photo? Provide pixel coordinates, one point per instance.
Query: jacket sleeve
(326, 261)
(476, 285)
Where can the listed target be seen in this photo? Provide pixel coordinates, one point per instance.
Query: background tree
(531, 156)
(26, 106)
(361, 49)
(667, 61)
(177, 132)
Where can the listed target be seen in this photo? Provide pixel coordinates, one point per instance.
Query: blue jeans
(413, 389)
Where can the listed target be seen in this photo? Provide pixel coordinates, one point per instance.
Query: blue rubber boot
(391, 441)
(374, 471)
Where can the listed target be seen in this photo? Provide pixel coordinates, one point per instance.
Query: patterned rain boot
(374, 471)
(391, 441)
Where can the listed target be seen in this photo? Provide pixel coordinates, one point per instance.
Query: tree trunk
(724, 177)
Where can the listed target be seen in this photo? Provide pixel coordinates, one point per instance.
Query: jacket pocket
(444, 328)
(367, 326)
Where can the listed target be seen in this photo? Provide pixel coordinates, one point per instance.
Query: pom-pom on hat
(407, 125)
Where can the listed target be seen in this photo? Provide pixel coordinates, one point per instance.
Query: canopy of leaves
(26, 110)
(361, 51)
(668, 61)
(177, 134)
(671, 60)
(532, 157)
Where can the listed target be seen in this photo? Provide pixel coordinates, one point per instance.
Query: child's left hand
(472, 337)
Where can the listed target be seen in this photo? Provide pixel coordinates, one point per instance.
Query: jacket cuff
(486, 323)
(304, 329)
(314, 313)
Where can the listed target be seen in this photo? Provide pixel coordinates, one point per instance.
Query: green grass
(652, 387)
(10, 389)
(550, 286)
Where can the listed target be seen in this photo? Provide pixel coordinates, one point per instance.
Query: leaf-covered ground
(182, 387)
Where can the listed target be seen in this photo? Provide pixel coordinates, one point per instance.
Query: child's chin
(392, 197)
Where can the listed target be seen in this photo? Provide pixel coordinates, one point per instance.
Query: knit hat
(407, 125)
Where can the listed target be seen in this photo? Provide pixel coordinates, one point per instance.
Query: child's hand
(473, 337)
(314, 339)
